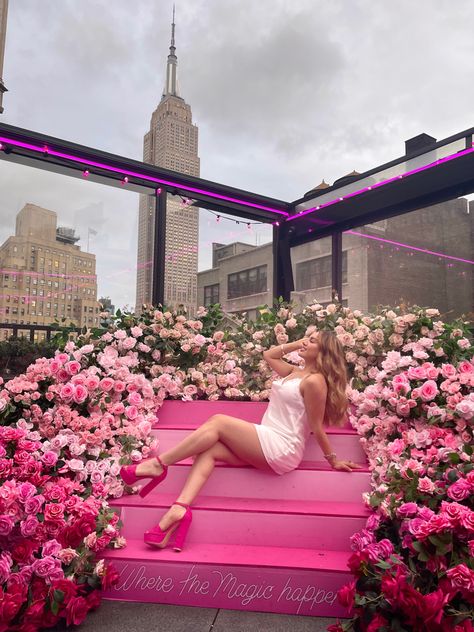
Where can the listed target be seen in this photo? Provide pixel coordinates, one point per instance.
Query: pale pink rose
(136, 332)
(75, 465)
(134, 398)
(185, 347)
(67, 555)
(291, 323)
(120, 334)
(119, 386)
(426, 485)
(429, 390)
(129, 343)
(199, 340)
(448, 370)
(92, 382)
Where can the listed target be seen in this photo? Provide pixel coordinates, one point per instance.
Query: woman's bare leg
(236, 434)
(201, 470)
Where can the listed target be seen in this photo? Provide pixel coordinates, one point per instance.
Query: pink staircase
(258, 541)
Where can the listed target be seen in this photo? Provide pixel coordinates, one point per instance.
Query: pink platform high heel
(158, 538)
(129, 476)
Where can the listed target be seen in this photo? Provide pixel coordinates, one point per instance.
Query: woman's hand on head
(345, 466)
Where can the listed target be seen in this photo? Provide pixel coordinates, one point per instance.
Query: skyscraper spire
(171, 86)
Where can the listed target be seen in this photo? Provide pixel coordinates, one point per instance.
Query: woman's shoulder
(317, 379)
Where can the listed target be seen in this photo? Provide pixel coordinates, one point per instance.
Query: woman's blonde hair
(331, 362)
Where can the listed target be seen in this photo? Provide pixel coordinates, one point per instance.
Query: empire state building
(172, 143)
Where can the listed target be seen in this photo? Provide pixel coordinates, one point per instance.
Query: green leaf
(55, 607)
(58, 595)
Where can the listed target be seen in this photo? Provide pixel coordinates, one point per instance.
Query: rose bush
(70, 421)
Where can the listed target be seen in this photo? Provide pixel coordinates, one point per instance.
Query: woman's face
(310, 348)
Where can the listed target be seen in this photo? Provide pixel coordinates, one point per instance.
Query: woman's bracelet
(331, 455)
(282, 351)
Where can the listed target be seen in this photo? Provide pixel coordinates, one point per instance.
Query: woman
(300, 404)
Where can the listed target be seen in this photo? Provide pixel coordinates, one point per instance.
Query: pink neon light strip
(399, 243)
(381, 183)
(124, 172)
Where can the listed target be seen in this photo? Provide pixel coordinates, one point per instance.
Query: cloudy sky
(284, 94)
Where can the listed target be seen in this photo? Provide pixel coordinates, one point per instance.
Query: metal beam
(159, 250)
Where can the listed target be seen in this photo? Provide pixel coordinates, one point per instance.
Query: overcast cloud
(284, 94)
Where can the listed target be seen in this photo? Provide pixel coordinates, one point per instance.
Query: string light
(124, 180)
(86, 173)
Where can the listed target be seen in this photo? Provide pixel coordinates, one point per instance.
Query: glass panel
(392, 172)
(312, 270)
(234, 260)
(420, 258)
(68, 249)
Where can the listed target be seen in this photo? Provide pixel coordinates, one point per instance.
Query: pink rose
(106, 384)
(129, 343)
(134, 399)
(73, 367)
(67, 555)
(80, 394)
(26, 490)
(67, 391)
(426, 485)
(429, 390)
(119, 386)
(52, 547)
(131, 412)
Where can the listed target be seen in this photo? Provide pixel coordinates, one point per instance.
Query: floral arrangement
(69, 422)
(414, 561)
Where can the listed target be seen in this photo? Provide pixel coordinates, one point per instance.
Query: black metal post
(283, 283)
(337, 266)
(159, 250)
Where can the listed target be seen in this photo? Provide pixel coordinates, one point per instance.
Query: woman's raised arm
(275, 354)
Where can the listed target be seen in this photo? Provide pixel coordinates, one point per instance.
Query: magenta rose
(26, 491)
(76, 610)
(48, 567)
(460, 490)
(50, 458)
(33, 505)
(29, 526)
(6, 524)
(461, 577)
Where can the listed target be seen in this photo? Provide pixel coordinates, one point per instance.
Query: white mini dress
(284, 428)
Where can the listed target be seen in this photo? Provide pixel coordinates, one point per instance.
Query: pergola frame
(350, 202)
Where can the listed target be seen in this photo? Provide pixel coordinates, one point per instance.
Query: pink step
(261, 522)
(311, 481)
(270, 579)
(345, 444)
(179, 413)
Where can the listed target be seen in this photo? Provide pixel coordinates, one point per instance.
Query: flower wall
(69, 422)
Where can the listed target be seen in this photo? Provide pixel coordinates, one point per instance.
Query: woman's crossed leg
(220, 438)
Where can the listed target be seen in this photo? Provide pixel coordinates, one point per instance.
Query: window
(211, 294)
(246, 282)
(317, 273)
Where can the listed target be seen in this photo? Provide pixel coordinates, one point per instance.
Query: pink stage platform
(258, 541)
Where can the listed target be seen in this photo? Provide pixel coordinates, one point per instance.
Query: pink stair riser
(346, 446)
(300, 484)
(196, 412)
(163, 576)
(259, 529)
